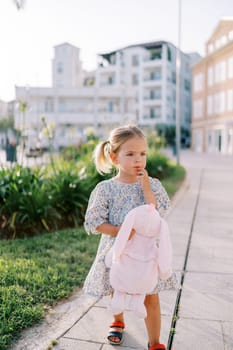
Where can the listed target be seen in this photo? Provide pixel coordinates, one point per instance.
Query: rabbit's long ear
(165, 251)
(123, 234)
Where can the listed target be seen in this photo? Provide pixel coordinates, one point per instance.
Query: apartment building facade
(212, 114)
(151, 69)
(135, 84)
(73, 103)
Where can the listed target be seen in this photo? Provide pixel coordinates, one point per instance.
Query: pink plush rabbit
(136, 264)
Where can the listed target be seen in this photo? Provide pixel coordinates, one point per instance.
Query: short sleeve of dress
(163, 201)
(97, 209)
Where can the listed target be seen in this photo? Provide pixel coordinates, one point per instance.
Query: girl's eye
(143, 154)
(129, 154)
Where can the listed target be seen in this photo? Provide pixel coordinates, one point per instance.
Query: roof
(147, 45)
(219, 26)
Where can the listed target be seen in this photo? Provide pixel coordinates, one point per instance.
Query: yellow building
(212, 94)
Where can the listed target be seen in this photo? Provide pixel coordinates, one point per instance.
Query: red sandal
(157, 347)
(116, 330)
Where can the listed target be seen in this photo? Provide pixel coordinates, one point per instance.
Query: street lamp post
(178, 94)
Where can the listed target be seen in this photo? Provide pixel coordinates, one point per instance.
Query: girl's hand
(146, 187)
(143, 178)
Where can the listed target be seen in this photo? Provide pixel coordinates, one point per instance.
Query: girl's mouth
(138, 170)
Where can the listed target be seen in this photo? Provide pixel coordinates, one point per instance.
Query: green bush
(69, 197)
(24, 202)
(56, 196)
(158, 165)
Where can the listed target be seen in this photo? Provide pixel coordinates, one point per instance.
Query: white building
(133, 84)
(151, 69)
(73, 103)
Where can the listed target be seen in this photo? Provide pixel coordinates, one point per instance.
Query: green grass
(174, 181)
(36, 272)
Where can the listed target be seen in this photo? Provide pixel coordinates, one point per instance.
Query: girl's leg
(116, 318)
(153, 319)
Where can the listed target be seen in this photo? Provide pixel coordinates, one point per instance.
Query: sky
(28, 36)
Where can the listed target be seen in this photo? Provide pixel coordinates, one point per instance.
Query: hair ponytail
(102, 158)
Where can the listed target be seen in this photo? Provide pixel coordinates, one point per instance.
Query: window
(155, 112)
(198, 140)
(110, 81)
(218, 140)
(230, 35)
(210, 105)
(230, 100)
(135, 79)
(60, 67)
(210, 76)
(223, 40)
(210, 48)
(220, 71)
(110, 106)
(209, 140)
(198, 109)
(187, 85)
(156, 54)
(217, 72)
(155, 94)
(174, 77)
(113, 59)
(222, 102)
(219, 102)
(223, 71)
(62, 105)
(155, 75)
(135, 60)
(198, 82)
(48, 106)
(169, 54)
(230, 67)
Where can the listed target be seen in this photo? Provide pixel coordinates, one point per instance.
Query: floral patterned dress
(110, 201)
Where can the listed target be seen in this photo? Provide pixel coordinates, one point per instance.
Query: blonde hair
(117, 138)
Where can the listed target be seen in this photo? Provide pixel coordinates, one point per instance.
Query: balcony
(149, 63)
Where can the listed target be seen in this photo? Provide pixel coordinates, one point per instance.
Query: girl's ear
(114, 157)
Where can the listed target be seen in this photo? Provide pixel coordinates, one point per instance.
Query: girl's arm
(149, 195)
(108, 229)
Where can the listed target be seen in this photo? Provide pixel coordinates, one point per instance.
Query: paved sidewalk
(201, 221)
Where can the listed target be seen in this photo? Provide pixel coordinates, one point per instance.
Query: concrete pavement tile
(122, 347)
(136, 332)
(178, 262)
(198, 334)
(73, 344)
(213, 229)
(228, 335)
(167, 302)
(207, 296)
(103, 302)
(210, 255)
(94, 327)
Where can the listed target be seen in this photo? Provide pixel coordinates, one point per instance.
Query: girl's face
(131, 158)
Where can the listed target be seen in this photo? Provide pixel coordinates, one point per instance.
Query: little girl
(109, 202)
